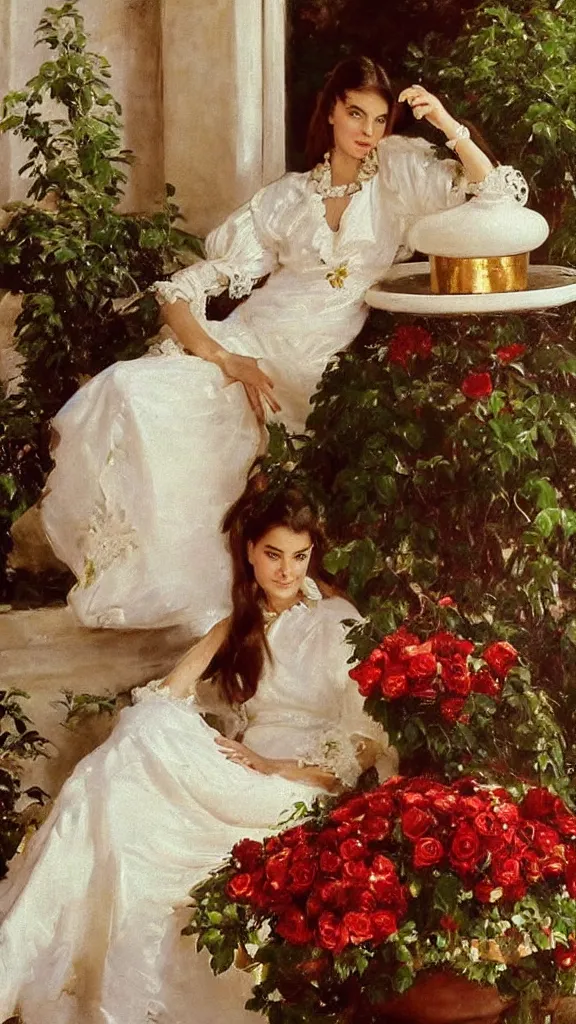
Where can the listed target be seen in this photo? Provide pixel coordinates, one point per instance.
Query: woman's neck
(276, 606)
(344, 168)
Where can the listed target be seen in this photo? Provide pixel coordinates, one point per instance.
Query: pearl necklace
(321, 175)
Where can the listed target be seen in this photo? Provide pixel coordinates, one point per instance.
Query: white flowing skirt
(93, 910)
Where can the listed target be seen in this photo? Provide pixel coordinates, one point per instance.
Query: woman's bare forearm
(189, 332)
(308, 774)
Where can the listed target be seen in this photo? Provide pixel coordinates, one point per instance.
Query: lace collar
(321, 176)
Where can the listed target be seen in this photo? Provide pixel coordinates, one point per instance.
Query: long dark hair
(353, 73)
(238, 665)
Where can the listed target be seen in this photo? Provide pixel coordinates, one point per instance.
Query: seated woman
(90, 922)
(152, 451)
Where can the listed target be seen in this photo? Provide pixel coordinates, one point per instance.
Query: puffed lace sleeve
(420, 181)
(341, 742)
(228, 719)
(239, 252)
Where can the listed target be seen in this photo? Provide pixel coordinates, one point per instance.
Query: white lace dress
(153, 451)
(91, 918)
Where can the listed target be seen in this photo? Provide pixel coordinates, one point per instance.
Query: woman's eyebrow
(279, 551)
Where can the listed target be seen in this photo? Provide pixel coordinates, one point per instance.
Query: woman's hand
(241, 754)
(425, 105)
(258, 386)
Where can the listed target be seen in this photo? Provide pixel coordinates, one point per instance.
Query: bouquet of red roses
(385, 884)
(441, 695)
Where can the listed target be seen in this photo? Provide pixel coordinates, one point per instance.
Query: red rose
(367, 902)
(394, 686)
(531, 867)
(301, 877)
(451, 710)
(477, 385)
(292, 926)
(545, 838)
(566, 823)
(507, 814)
(333, 893)
(396, 643)
(352, 849)
(299, 836)
(367, 677)
(350, 810)
(484, 891)
(277, 867)
(487, 824)
(448, 923)
(376, 828)
(446, 602)
(446, 645)
(355, 871)
(483, 682)
(315, 905)
(248, 854)
(455, 676)
(465, 850)
(387, 891)
(384, 924)
(332, 934)
(416, 822)
(241, 887)
(509, 353)
(427, 851)
(554, 866)
(406, 342)
(330, 862)
(380, 802)
(359, 927)
(506, 870)
(422, 666)
(382, 867)
(565, 958)
(500, 657)
(539, 802)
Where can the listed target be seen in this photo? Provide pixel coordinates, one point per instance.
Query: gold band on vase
(455, 275)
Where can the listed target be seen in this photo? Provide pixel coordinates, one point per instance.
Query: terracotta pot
(440, 997)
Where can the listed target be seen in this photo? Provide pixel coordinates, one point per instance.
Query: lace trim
(108, 537)
(155, 690)
(166, 347)
(502, 180)
(335, 752)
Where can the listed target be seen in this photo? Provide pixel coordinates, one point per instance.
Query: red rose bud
(359, 927)
(506, 870)
(477, 385)
(377, 828)
(382, 867)
(380, 802)
(355, 871)
(487, 892)
(509, 353)
(455, 676)
(446, 645)
(566, 823)
(546, 839)
(427, 851)
(334, 893)
(301, 877)
(332, 934)
(446, 602)
(500, 657)
(292, 926)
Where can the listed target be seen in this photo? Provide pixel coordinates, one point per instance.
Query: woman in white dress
(152, 451)
(91, 916)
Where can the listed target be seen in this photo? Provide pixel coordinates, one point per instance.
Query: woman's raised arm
(425, 105)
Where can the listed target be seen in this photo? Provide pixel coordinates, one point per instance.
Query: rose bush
(376, 887)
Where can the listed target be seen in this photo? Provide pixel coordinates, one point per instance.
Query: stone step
(44, 651)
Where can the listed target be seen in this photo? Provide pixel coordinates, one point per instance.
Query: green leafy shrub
(19, 742)
(82, 265)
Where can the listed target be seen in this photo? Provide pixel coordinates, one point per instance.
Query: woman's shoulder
(405, 145)
(336, 609)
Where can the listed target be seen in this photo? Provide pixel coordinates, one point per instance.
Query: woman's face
(280, 561)
(359, 122)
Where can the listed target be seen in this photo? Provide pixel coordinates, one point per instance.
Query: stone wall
(201, 83)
